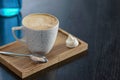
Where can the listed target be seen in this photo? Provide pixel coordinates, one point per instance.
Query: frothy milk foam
(39, 21)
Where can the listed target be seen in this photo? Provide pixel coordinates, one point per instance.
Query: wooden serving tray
(24, 67)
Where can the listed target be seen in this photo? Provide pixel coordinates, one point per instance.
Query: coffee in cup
(40, 21)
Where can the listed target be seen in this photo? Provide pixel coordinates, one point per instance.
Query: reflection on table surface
(6, 23)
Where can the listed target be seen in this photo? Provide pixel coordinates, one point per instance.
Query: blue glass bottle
(10, 8)
(6, 24)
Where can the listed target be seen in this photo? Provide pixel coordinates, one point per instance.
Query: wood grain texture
(24, 67)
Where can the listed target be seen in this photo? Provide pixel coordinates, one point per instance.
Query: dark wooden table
(95, 21)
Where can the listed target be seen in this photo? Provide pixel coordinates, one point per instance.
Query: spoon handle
(12, 54)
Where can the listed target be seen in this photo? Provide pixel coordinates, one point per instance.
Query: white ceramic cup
(38, 41)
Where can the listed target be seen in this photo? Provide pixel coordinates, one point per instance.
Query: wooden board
(24, 67)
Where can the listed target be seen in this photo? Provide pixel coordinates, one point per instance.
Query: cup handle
(14, 35)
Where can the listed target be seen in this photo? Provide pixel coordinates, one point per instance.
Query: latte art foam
(39, 21)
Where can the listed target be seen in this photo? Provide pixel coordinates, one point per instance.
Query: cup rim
(45, 14)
